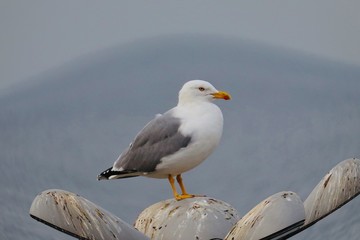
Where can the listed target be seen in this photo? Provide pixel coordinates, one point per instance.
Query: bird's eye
(201, 89)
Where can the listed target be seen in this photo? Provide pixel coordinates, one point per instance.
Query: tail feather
(113, 174)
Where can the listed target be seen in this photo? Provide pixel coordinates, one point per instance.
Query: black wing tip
(111, 174)
(105, 174)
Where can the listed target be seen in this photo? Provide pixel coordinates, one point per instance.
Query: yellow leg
(172, 184)
(181, 184)
(183, 190)
(184, 193)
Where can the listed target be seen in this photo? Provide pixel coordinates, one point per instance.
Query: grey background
(76, 88)
(292, 118)
(38, 35)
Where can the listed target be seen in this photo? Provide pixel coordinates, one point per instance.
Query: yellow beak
(221, 95)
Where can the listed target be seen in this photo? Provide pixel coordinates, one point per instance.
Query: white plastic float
(280, 216)
(192, 218)
(80, 218)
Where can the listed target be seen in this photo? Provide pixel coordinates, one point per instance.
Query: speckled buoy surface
(280, 216)
(194, 218)
(279, 213)
(80, 218)
(336, 188)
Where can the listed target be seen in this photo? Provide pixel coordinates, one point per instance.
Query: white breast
(204, 123)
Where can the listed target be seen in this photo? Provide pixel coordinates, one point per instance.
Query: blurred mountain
(291, 119)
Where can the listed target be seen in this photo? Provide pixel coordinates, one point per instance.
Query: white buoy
(192, 218)
(280, 216)
(279, 213)
(336, 188)
(80, 218)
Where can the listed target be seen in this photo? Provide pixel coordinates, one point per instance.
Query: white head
(199, 90)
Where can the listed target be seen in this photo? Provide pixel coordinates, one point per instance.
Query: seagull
(176, 141)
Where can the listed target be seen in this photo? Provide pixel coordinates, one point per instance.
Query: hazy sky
(39, 35)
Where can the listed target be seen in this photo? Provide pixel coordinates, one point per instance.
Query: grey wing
(159, 138)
